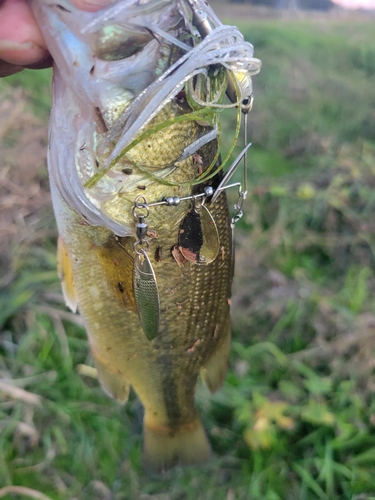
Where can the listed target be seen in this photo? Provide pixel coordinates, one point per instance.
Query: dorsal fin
(215, 368)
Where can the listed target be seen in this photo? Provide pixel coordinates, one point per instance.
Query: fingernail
(21, 53)
(18, 46)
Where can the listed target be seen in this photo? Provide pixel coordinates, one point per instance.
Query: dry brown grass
(24, 191)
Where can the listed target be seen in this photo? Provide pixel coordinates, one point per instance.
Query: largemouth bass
(143, 253)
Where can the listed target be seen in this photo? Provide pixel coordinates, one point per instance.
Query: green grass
(36, 87)
(295, 419)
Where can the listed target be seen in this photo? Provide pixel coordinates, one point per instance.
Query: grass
(295, 419)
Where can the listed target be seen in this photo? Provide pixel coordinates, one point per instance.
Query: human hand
(21, 42)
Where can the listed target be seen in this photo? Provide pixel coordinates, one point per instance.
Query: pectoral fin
(214, 370)
(65, 271)
(113, 381)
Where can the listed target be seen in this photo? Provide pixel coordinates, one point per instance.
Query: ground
(296, 416)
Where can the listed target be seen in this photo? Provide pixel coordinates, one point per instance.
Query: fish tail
(164, 447)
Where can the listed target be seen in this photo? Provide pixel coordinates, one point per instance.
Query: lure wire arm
(232, 169)
(242, 187)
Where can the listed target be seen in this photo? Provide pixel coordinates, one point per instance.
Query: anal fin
(214, 370)
(65, 271)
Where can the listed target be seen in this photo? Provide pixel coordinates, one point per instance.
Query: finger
(21, 41)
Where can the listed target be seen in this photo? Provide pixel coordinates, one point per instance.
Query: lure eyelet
(144, 247)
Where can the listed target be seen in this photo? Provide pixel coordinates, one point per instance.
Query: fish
(144, 255)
